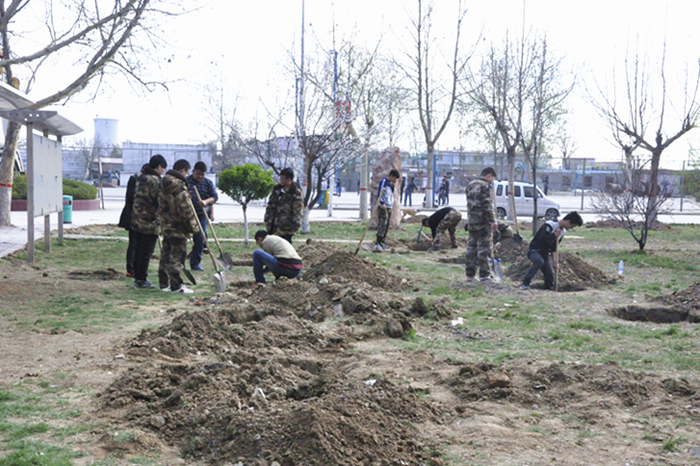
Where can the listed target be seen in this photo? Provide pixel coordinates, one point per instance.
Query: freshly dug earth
(273, 390)
(575, 274)
(325, 260)
(679, 306)
(688, 299)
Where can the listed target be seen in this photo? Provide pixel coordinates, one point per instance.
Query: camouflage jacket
(144, 215)
(284, 209)
(175, 212)
(480, 204)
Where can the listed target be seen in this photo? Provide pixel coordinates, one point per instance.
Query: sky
(246, 45)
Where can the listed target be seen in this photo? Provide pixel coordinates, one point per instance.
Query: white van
(524, 200)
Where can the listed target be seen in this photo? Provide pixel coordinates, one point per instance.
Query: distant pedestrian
(403, 187)
(385, 192)
(144, 218)
(408, 195)
(481, 222)
(338, 187)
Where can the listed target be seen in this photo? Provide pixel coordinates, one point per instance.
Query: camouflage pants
(383, 216)
(172, 258)
(479, 246)
(449, 223)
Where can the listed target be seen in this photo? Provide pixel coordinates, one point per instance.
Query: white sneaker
(183, 289)
(167, 288)
(378, 247)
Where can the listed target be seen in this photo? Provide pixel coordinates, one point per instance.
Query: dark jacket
(284, 210)
(435, 219)
(125, 217)
(175, 212)
(144, 218)
(206, 190)
(545, 241)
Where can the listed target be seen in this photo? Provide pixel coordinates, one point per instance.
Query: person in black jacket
(125, 223)
(445, 219)
(545, 243)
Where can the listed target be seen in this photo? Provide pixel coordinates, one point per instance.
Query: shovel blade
(189, 276)
(219, 282)
(223, 263)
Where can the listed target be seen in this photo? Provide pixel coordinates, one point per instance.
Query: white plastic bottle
(621, 267)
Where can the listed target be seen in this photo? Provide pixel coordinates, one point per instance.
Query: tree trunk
(429, 196)
(7, 165)
(511, 187)
(245, 224)
(305, 223)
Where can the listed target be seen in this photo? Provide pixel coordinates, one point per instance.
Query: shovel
(376, 204)
(224, 257)
(187, 273)
(219, 275)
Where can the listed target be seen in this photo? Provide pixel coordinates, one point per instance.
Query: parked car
(524, 194)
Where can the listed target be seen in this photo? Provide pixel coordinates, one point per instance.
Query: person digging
(445, 219)
(544, 244)
(276, 255)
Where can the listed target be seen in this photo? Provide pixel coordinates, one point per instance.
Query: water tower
(106, 133)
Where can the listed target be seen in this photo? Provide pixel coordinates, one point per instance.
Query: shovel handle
(201, 230)
(213, 232)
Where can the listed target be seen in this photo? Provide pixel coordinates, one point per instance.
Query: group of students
(482, 226)
(172, 203)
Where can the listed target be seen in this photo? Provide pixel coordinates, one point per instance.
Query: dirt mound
(325, 260)
(679, 306)
(575, 274)
(610, 223)
(107, 229)
(509, 252)
(107, 274)
(571, 387)
(273, 389)
(688, 299)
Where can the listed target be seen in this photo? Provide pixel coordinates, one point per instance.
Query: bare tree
(500, 89)
(640, 119)
(564, 142)
(545, 106)
(221, 123)
(98, 41)
(436, 94)
(633, 208)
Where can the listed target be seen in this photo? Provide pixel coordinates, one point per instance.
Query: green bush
(77, 189)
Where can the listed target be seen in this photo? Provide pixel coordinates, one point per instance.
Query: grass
(498, 327)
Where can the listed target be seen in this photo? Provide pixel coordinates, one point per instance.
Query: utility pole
(331, 180)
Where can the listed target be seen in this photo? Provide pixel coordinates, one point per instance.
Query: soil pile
(509, 252)
(272, 390)
(688, 299)
(325, 260)
(582, 388)
(610, 223)
(575, 274)
(106, 274)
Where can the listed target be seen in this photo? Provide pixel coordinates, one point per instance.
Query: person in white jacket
(277, 255)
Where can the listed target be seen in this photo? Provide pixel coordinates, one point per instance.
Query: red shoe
(130, 274)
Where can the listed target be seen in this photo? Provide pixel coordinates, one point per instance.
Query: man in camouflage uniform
(179, 223)
(144, 222)
(482, 220)
(445, 219)
(284, 207)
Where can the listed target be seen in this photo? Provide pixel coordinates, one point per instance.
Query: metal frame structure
(17, 107)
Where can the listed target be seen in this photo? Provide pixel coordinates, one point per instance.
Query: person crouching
(277, 254)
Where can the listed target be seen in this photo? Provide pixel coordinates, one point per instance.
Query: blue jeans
(261, 259)
(408, 198)
(198, 247)
(539, 262)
